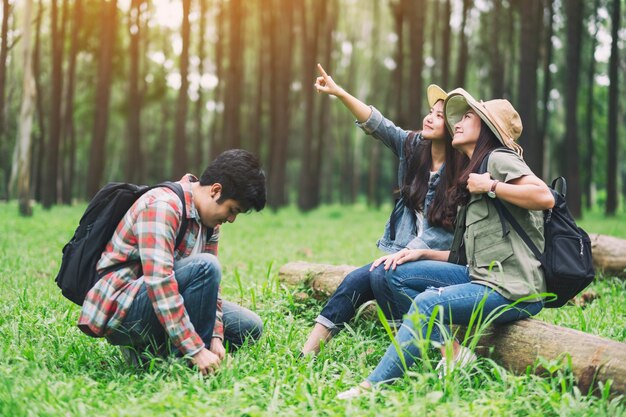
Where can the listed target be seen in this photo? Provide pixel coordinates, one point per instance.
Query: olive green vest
(503, 261)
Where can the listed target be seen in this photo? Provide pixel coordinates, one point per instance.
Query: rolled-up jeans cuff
(332, 327)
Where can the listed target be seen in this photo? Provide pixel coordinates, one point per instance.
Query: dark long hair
(442, 210)
(487, 141)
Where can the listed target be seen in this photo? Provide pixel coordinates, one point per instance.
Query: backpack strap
(503, 211)
(481, 170)
(178, 189)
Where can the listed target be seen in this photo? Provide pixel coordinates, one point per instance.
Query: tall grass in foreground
(49, 368)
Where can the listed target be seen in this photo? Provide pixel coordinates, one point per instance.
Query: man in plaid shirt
(164, 296)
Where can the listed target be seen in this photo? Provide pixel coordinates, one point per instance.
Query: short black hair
(242, 179)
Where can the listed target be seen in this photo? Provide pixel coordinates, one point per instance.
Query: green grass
(596, 222)
(49, 368)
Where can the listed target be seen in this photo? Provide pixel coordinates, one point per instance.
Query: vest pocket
(490, 245)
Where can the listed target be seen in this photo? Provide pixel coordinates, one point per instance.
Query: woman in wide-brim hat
(500, 280)
(422, 217)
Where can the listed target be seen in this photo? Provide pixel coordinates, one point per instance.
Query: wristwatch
(492, 192)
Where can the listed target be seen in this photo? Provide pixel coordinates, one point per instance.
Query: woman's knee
(378, 279)
(357, 279)
(396, 278)
(427, 302)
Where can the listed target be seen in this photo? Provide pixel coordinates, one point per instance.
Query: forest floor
(49, 368)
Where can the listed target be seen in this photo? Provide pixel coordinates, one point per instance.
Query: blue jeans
(408, 280)
(198, 279)
(358, 287)
(452, 304)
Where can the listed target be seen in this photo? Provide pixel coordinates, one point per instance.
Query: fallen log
(515, 346)
(609, 254)
(321, 278)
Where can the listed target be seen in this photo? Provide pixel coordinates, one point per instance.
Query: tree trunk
(310, 22)
(134, 158)
(589, 154)
(435, 34)
(256, 127)
(324, 156)
(103, 95)
(446, 48)
(39, 144)
(531, 22)
(495, 53)
(609, 255)
(69, 134)
(574, 17)
(350, 172)
(64, 190)
(461, 67)
(357, 162)
(347, 180)
(416, 23)
(4, 144)
(614, 93)
(26, 115)
(233, 92)
(516, 346)
(547, 84)
(281, 47)
(56, 99)
(373, 178)
(372, 148)
(594, 359)
(323, 279)
(398, 11)
(180, 131)
(200, 153)
(163, 144)
(510, 55)
(217, 144)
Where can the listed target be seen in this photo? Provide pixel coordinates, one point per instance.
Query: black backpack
(566, 259)
(106, 209)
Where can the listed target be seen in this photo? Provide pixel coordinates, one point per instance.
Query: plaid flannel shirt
(147, 235)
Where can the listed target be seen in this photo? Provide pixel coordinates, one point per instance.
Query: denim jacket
(403, 220)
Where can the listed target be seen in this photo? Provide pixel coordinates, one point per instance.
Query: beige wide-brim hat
(499, 115)
(434, 94)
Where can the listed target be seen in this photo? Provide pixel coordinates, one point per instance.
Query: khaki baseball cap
(434, 94)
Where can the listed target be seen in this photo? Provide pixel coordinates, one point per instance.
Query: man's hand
(217, 347)
(206, 361)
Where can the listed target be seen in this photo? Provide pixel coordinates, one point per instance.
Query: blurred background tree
(146, 90)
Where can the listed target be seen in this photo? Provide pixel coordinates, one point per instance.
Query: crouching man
(163, 299)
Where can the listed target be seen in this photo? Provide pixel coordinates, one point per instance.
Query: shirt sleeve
(155, 230)
(384, 130)
(507, 166)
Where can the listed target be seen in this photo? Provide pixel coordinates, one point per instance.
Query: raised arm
(325, 84)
